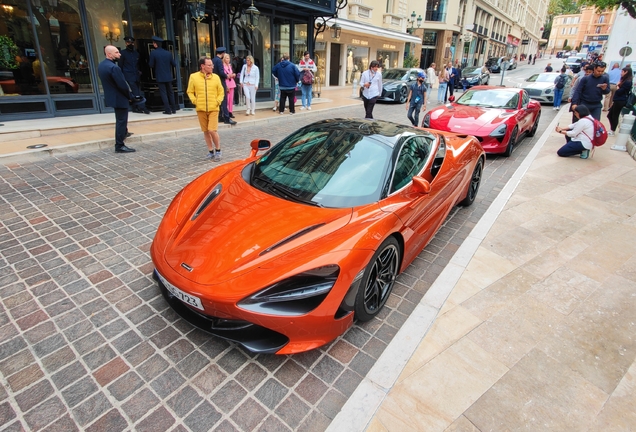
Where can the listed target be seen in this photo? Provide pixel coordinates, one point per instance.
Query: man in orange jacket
(206, 93)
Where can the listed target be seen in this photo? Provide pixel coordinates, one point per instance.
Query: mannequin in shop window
(387, 63)
(349, 77)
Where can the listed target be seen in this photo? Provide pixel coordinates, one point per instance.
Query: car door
(527, 114)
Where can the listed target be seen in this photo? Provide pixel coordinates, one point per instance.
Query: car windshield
(544, 77)
(490, 98)
(574, 60)
(396, 74)
(471, 71)
(326, 165)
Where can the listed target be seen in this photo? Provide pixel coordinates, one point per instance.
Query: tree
(564, 7)
(600, 5)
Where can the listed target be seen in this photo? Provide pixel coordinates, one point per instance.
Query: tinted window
(411, 160)
(325, 165)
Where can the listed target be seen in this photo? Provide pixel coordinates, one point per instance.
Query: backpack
(560, 82)
(600, 133)
(307, 78)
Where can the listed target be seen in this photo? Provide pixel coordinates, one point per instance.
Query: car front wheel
(403, 95)
(511, 142)
(378, 280)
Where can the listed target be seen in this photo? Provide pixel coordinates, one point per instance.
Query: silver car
(540, 87)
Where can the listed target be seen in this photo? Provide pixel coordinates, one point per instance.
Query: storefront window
(62, 47)
(255, 42)
(20, 64)
(281, 38)
(300, 42)
(360, 60)
(388, 59)
(142, 19)
(320, 57)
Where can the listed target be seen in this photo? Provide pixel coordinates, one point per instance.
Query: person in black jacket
(217, 61)
(116, 95)
(590, 90)
(623, 90)
(129, 64)
(163, 62)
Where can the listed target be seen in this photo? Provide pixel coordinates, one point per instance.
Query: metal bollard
(354, 90)
(623, 133)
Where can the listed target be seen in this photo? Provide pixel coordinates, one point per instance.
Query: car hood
(468, 120)
(244, 228)
(538, 85)
(390, 84)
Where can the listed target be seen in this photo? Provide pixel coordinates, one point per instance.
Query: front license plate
(184, 297)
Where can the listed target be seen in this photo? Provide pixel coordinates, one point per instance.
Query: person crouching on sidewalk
(206, 93)
(578, 135)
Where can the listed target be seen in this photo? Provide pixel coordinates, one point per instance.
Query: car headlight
(499, 132)
(296, 295)
(548, 91)
(426, 121)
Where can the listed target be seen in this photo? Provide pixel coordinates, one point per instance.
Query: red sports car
(280, 252)
(498, 117)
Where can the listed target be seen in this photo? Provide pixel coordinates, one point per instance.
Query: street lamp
(336, 30)
(253, 13)
(197, 9)
(412, 21)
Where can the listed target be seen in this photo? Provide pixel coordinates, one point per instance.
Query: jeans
(369, 104)
(595, 109)
(167, 96)
(571, 148)
(414, 113)
(306, 95)
(558, 95)
(441, 91)
(614, 113)
(121, 126)
(250, 97)
(287, 95)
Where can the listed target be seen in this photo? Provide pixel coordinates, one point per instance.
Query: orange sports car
(280, 252)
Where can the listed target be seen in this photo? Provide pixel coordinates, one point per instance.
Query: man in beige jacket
(206, 93)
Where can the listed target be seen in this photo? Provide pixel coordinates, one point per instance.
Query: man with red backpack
(307, 69)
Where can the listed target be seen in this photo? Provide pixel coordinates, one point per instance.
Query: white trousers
(250, 97)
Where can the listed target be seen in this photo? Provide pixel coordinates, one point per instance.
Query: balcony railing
(435, 16)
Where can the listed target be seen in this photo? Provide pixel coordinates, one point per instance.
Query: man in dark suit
(129, 65)
(217, 61)
(116, 95)
(163, 62)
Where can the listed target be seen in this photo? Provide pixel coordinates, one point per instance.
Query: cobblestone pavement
(88, 343)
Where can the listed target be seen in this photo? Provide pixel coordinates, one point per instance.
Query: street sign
(626, 51)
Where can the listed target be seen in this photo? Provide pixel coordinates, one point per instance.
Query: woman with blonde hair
(443, 78)
(230, 84)
(249, 81)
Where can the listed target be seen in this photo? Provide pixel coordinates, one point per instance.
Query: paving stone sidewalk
(88, 343)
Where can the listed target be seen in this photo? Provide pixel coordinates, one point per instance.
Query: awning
(375, 31)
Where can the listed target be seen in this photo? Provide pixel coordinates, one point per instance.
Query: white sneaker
(610, 133)
(302, 107)
(309, 108)
(274, 109)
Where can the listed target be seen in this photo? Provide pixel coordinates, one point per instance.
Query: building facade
(586, 31)
(468, 32)
(50, 49)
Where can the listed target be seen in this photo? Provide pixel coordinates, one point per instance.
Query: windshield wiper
(283, 192)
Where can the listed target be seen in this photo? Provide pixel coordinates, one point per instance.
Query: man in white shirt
(371, 82)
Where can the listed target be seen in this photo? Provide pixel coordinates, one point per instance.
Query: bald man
(116, 94)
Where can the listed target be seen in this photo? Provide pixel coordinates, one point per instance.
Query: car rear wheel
(404, 93)
(511, 142)
(473, 187)
(533, 131)
(378, 280)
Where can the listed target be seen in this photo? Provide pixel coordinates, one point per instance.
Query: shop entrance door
(336, 64)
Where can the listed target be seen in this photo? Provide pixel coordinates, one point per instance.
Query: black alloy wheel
(473, 187)
(511, 142)
(378, 280)
(533, 131)
(404, 93)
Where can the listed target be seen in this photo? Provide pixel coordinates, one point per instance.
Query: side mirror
(259, 145)
(421, 185)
